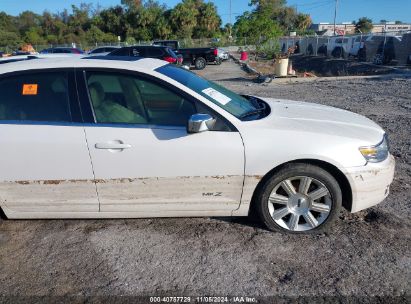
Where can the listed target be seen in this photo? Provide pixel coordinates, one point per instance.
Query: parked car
(385, 45)
(357, 45)
(15, 58)
(340, 46)
(93, 138)
(223, 54)
(62, 50)
(199, 57)
(103, 50)
(148, 51)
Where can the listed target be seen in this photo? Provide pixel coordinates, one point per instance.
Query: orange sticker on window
(30, 89)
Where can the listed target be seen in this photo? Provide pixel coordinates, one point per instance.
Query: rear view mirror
(200, 123)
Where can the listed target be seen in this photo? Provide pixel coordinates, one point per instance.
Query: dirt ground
(325, 67)
(365, 258)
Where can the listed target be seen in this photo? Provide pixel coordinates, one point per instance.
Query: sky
(320, 10)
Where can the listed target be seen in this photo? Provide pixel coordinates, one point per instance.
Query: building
(347, 28)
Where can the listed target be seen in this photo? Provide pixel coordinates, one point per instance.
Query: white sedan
(93, 138)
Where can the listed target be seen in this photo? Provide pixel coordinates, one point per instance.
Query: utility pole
(231, 24)
(335, 14)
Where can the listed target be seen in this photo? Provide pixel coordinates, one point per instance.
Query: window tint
(122, 98)
(136, 52)
(155, 52)
(35, 97)
(62, 51)
(121, 52)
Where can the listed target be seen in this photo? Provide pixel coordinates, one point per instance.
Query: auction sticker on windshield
(217, 96)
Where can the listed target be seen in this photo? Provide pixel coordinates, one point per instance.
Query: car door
(45, 167)
(145, 161)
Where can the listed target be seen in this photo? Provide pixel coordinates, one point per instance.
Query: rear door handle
(114, 146)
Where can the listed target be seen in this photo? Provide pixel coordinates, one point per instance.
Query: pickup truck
(199, 57)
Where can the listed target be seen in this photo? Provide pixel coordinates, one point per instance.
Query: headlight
(377, 153)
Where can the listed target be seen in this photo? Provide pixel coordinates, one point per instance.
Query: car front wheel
(299, 198)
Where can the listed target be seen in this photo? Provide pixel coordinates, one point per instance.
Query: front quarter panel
(266, 149)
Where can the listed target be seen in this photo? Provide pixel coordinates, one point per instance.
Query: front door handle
(112, 145)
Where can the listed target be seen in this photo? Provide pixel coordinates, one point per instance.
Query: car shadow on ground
(243, 220)
(235, 79)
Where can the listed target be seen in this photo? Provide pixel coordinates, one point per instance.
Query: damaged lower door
(45, 171)
(165, 171)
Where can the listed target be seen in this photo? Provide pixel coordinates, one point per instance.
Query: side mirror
(200, 123)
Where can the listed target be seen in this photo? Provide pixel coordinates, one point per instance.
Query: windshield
(222, 97)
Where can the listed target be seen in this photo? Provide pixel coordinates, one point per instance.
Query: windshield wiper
(260, 107)
(252, 112)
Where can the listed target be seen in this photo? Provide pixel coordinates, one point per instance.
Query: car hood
(315, 118)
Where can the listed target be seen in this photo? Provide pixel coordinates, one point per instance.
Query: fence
(378, 48)
(389, 44)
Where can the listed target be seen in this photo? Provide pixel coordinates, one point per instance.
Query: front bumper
(370, 183)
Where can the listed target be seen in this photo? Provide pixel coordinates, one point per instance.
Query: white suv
(340, 46)
(92, 138)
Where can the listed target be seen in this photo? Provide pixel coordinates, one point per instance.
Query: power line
(314, 3)
(335, 14)
(319, 6)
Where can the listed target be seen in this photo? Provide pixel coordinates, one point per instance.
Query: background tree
(145, 20)
(273, 18)
(131, 4)
(208, 20)
(302, 23)
(112, 20)
(363, 25)
(183, 18)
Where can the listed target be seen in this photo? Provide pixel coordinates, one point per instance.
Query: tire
(362, 54)
(218, 61)
(200, 63)
(301, 212)
(2, 215)
(338, 52)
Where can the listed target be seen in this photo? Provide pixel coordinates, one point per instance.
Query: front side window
(125, 98)
(35, 97)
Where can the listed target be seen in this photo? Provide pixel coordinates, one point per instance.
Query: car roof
(138, 64)
(108, 46)
(148, 46)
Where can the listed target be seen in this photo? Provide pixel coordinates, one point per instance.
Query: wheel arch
(333, 170)
(2, 214)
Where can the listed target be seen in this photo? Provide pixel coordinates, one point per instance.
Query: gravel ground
(365, 257)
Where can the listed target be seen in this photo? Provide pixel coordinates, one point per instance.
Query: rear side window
(155, 52)
(35, 97)
(136, 52)
(121, 52)
(62, 51)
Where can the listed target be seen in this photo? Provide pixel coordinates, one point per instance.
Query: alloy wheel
(300, 203)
